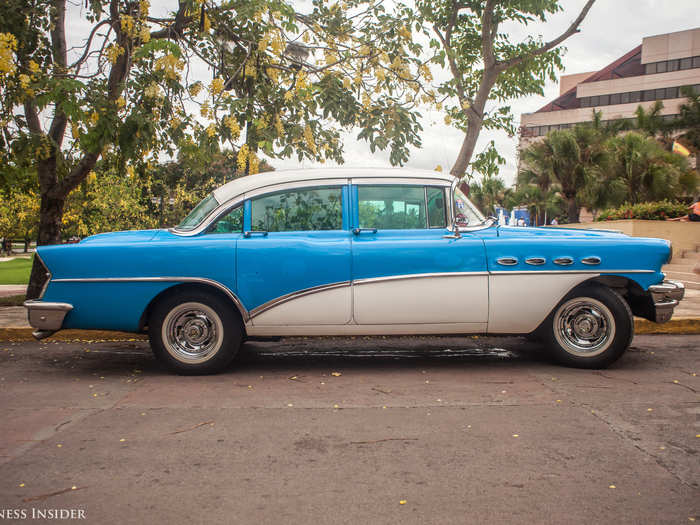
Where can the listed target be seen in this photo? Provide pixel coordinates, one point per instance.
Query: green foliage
(653, 211)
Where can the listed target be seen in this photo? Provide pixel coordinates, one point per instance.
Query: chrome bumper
(665, 297)
(46, 317)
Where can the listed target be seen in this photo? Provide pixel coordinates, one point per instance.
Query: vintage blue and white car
(353, 252)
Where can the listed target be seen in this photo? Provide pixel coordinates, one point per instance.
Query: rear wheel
(195, 333)
(590, 328)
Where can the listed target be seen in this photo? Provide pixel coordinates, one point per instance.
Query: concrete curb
(678, 326)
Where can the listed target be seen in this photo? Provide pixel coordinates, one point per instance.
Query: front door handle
(358, 231)
(254, 232)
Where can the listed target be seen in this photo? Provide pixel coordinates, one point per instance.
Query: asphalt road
(364, 431)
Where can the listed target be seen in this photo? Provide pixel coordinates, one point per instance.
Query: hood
(546, 232)
(121, 237)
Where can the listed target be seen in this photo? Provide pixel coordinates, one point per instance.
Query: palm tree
(646, 171)
(570, 157)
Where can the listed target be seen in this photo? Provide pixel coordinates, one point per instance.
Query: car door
(407, 268)
(293, 259)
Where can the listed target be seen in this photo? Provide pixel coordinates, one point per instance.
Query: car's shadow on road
(293, 354)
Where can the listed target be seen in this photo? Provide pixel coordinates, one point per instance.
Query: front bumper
(665, 297)
(46, 317)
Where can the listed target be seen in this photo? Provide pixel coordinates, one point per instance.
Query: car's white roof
(253, 182)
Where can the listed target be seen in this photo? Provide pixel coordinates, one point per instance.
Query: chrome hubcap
(192, 332)
(584, 327)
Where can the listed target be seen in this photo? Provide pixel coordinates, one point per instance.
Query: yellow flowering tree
(281, 83)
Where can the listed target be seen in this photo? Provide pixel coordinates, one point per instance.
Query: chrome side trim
(564, 261)
(592, 260)
(507, 261)
(369, 280)
(592, 272)
(48, 276)
(536, 261)
(242, 309)
(295, 295)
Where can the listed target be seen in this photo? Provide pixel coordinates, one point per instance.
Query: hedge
(654, 211)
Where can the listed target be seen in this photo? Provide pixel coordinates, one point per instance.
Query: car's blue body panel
(258, 269)
(407, 252)
(283, 262)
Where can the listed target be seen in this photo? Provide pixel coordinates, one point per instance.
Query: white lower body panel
(422, 299)
(325, 307)
(520, 302)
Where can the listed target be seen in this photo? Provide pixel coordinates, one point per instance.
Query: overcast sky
(612, 28)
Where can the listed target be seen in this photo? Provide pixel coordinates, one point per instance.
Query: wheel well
(184, 288)
(637, 299)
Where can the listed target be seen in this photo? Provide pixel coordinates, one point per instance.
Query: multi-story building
(654, 70)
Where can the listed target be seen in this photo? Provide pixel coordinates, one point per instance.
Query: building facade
(655, 70)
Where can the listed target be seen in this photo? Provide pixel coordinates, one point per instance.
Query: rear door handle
(358, 231)
(254, 232)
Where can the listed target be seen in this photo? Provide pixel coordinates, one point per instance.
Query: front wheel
(194, 333)
(590, 328)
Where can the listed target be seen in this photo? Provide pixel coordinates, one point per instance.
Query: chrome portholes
(584, 327)
(592, 260)
(564, 261)
(536, 261)
(507, 261)
(192, 332)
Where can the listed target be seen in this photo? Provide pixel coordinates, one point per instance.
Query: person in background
(694, 213)
(554, 222)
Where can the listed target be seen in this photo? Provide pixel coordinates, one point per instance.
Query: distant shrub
(653, 211)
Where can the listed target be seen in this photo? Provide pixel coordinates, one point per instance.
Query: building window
(660, 94)
(595, 101)
(661, 67)
(696, 61)
(624, 98)
(585, 102)
(686, 63)
(673, 65)
(650, 69)
(615, 99)
(648, 95)
(635, 96)
(672, 92)
(604, 100)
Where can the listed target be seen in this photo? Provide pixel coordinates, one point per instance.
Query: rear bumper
(665, 297)
(46, 317)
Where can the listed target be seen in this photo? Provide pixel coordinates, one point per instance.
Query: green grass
(15, 271)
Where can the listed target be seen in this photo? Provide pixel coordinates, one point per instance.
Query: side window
(437, 217)
(298, 210)
(232, 222)
(392, 207)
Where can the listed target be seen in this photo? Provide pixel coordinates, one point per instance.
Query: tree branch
(446, 40)
(60, 58)
(175, 29)
(573, 29)
(488, 32)
(78, 63)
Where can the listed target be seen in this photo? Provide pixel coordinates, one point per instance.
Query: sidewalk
(8, 290)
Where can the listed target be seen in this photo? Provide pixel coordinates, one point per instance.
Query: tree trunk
(467, 150)
(573, 208)
(50, 215)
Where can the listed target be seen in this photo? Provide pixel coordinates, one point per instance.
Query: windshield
(466, 213)
(199, 213)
